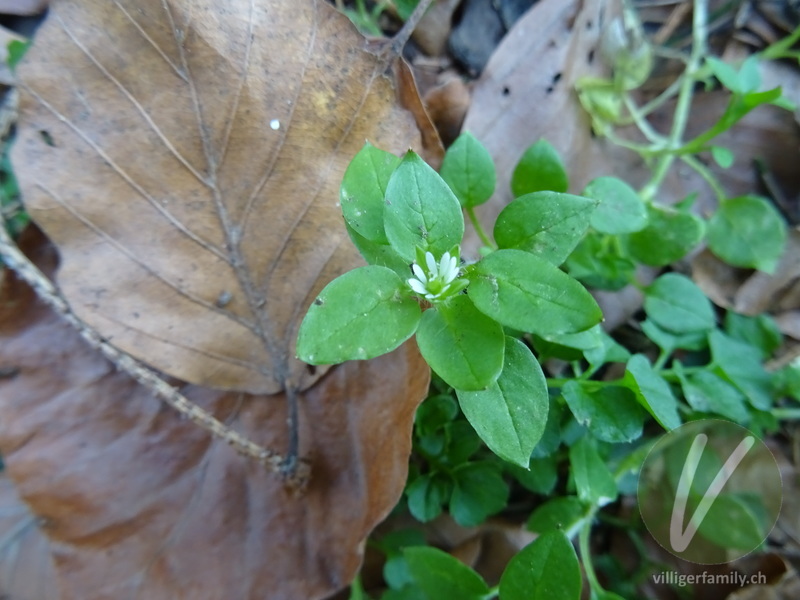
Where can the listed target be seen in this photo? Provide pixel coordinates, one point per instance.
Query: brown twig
(14, 259)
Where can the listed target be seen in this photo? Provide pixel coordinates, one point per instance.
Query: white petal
(419, 273)
(433, 269)
(445, 260)
(417, 286)
(449, 270)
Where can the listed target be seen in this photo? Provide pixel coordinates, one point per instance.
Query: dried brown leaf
(139, 503)
(185, 157)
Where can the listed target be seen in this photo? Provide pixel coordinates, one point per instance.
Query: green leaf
(434, 413)
(551, 439)
(652, 391)
(469, 171)
(740, 363)
(363, 189)
(594, 482)
(676, 304)
(707, 392)
(727, 75)
(440, 575)
(748, 232)
(360, 315)
(621, 210)
(611, 413)
(421, 211)
(609, 350)
(761, 332)
(729, 508)
(540, 477)
(540, 168)
(669, 236)
(529, 294)
(722, 156)
(598, 262)
(463, 442)
(405, 7)
(380, 255)
(547, 224)
(479, 491)
(461, 344)
(559, 514)
(546, 569)
(510, 414)
(672, 341)
(357, 590)
(426, 495)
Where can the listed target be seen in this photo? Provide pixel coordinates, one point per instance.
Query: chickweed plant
(494, 423)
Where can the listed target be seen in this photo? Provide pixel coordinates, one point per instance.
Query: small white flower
(437, 280)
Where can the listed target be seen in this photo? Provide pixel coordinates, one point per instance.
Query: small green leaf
(609, 350)
(380, 255)
(530, 294)
(707, 392)
(441, 576)
(469, 171)
(722, 156)
(727, 75)
(463, 442)
(540, 168)
(363, 189)
(728, 508)
(621, 210)
(676, 304)
(421, 211)
(479, 491)
(461, 344)
(434, 413)
(598, 262)
(652, 391)
(611, 413)
(748, 232)
(558, 514)
(362, 314)
(540, 477)
(16, 50)
(547, 224)
(670, 342)
(357, 590)
(740, 363)
(761, 331)
(546, 569)
(511, 413)
(426, 495)
(594, 482)
(669, 236)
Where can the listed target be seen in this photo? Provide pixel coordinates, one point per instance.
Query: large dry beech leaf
(185, 157)
(140, 504)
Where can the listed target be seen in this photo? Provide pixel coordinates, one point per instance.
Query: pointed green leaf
(748, 232)
(530, 294)
(440, 575)
(363, 189)
(621, 210)
(593, 480)
(676, 304)
(462, 345)
(547, 224)
(380, 255)
(652, 391)
(558, 514)
(740, 363)
(510, 415)
(421, 211)
(540, 168)
(469, 171)
(611, 413)
(707, 392)
(546, 569)
(540, 477)
(362, 314)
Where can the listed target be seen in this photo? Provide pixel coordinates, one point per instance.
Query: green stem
(492, 593)
(706, 174)
(479, 229)
(586, 555)
(684, 104)
(786, 414)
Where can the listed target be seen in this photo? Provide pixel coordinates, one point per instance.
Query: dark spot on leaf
(506, 91)
(318, 302)
(557, 77)
(47, 138)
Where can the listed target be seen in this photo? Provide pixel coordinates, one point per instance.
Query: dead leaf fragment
(185, 157)
(139, 503)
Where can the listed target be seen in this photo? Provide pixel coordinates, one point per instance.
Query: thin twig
(395, 47)
(45, 289)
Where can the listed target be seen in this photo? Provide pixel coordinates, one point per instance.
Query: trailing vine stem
(297, 478)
